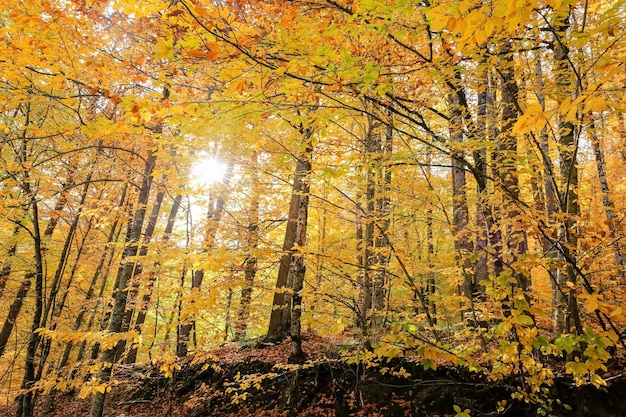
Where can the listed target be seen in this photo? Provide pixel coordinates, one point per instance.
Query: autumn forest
(438, 179)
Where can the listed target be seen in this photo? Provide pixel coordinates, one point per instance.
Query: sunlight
(207, 171)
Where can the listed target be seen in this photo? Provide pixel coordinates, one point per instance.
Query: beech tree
(397, 166)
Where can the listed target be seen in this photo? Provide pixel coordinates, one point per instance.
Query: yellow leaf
(597, 381)
(480, 36)
(596, 104)
(522, 125)
(591, 303)
(438, 18)
(571, 115)
(164, 49)
(451, 24)
(534, 109)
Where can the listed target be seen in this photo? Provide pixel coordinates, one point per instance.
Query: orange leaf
(214, 51)
(197, 53)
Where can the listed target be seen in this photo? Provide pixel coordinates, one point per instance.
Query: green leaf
(523, 320)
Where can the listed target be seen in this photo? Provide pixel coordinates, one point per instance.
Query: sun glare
(208, 171)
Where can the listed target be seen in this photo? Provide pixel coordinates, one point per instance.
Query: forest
(439, 182)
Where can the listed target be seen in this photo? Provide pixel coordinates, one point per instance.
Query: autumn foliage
(435, 180)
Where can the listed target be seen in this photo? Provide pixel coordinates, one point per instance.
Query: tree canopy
(438, 178)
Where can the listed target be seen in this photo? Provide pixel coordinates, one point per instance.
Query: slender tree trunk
(515, 244)
(135, 281)
(298, 268)
(361, 304)
(227, 320)
(141, 313)
(214, 216)
(5, 272)
(26, 406)
(371, 156)
(250, 263)
(383, 214)
(279, 317)
(460, 211)
(431, 286)
(568, 165)
(609, 206)
(483, 211)
(124, 275)
(14, 311)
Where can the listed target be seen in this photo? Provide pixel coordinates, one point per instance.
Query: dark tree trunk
(135, 279)
(250, 263)
(569, 206)
(5, 272)
(297, 268)
(141, 313)
(26, 406)
(514, 245)
(279, 317)
(124, 275)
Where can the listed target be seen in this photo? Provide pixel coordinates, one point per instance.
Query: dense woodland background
(439, 179)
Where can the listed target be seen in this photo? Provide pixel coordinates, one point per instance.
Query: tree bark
(607, 202)
(26, 406)
(135, 283)
(250, 263)
(297, 268)
(214, 216)
(511, 248)
(5, 272)
(124, 275)
(280, 315)
(142, 311)
(568, 166)
(460, 211)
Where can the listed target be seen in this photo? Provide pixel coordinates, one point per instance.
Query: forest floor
(238, 381)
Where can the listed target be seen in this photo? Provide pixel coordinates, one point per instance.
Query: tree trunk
(371, 154)
(609, 206)
(483, 211)
(124, 275)
(14, 311)
(506, 154)
(141, 313)
(383, 216)
(298, 268)
(135, 281)
(214, 215)
(26, 406)
(280, 315)
(7, 265)
(460, 211)
(568, 165)
(250, 263)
